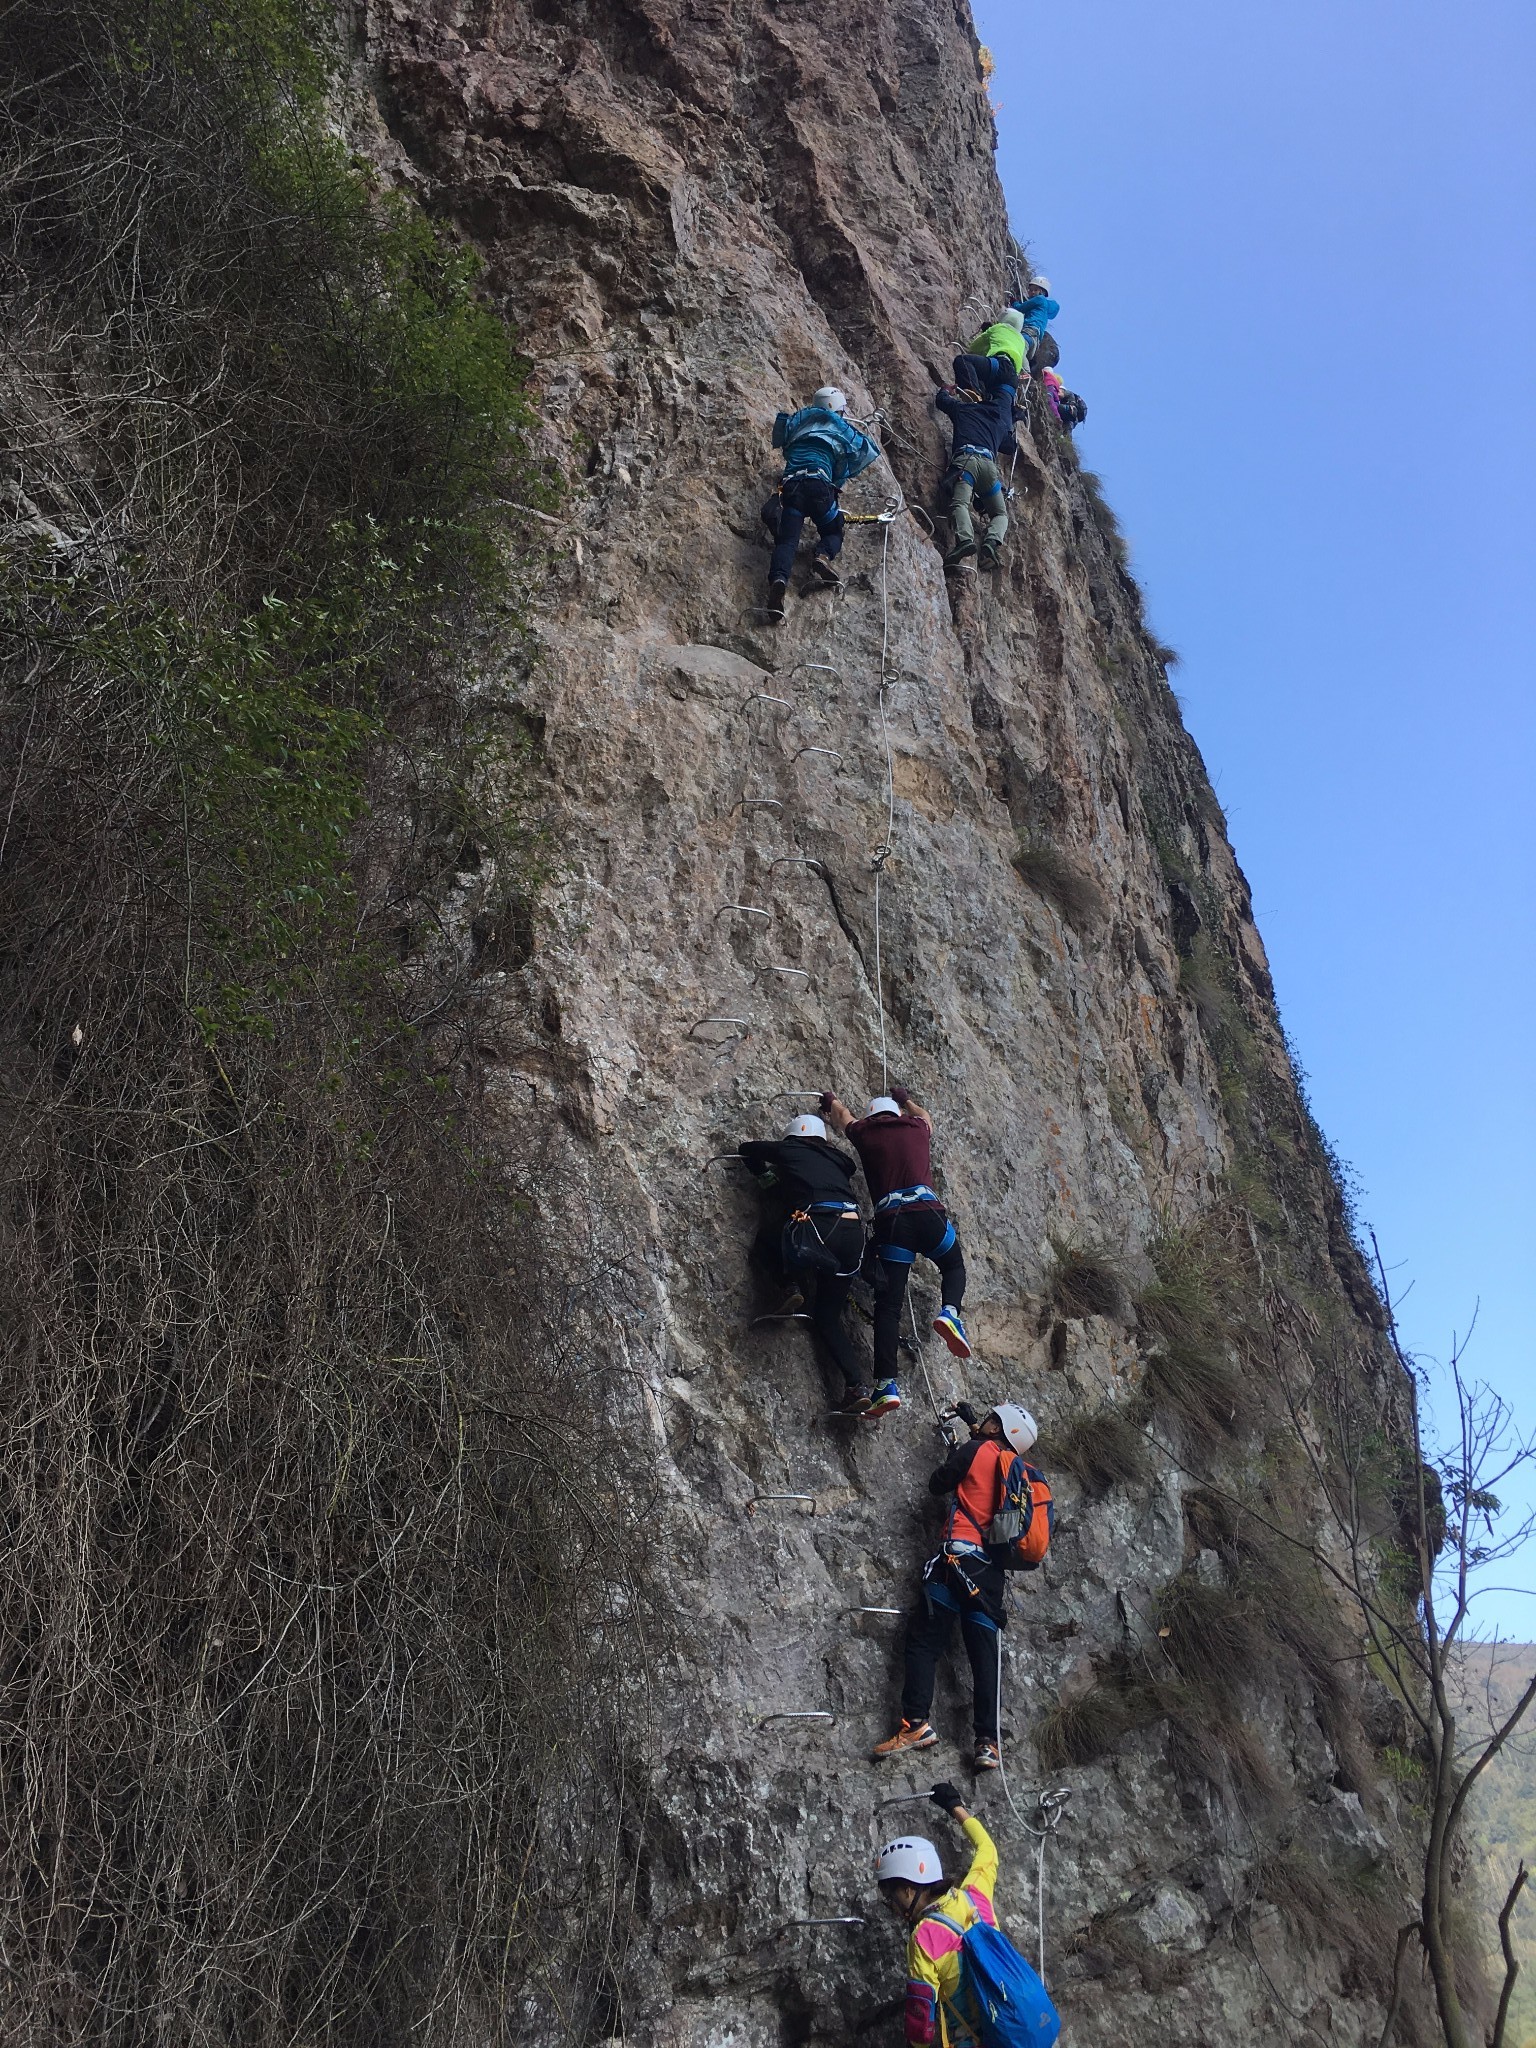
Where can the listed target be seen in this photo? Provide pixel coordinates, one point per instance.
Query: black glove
(966, 1413)
(947, 1796)
(900, 1097)
(826, 1102)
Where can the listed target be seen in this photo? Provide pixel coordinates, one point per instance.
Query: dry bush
(1059, 878)
(1191, 1313)
(1082, 1729)
(324, 1596)
(1085, 1281)
(1202, 1386)
(1209, 1633)
(1101, 1447)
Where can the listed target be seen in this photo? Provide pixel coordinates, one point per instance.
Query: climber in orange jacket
(910, 1875)
(963, 1583)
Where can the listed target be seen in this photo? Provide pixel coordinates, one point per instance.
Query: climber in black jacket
(983, 430)
(814, 1227)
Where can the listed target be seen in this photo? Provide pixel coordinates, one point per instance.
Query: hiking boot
(962, 551)
(949, 1326)
(823, 569)
(988, 1756)
(886, 1398)
(792, 1303)
(910, 1735)
(776, 595)
(990, 557)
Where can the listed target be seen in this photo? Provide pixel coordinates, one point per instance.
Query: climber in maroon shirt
(894, 1141)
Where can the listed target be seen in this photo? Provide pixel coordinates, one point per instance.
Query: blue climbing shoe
(949, 1326)
(886, 1398)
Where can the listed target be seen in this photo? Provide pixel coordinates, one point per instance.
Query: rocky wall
(695, 211)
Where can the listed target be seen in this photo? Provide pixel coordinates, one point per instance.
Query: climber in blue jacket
(983, 430)
(1039, 310)
(822, 452)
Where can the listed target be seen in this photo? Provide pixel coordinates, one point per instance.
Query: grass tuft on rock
(1085, 1281)
(1060, 879)
(1100, 1447)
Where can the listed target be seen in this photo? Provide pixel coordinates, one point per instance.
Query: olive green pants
(978, 476)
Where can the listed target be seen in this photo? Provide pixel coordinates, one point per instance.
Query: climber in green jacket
(994, 361)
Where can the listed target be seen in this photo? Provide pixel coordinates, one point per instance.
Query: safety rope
(1049, 1806)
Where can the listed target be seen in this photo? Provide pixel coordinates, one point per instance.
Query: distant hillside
(1506, 1808)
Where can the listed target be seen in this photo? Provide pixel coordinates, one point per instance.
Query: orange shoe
(910, 1735)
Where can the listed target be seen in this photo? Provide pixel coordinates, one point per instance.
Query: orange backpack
(1019, 1534)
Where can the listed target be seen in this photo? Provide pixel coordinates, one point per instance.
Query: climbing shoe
(824, 570)
(910, 1735)
(792, 1303)
(887, 1396)
(962, 551)
(855, 1401)
(987, 1757)
(949, 1326)
(776, 594)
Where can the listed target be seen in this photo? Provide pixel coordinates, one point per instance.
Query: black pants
(797, 499)
(916, 1231)
(931, 1629)
(829, 1293)
(826, 1293)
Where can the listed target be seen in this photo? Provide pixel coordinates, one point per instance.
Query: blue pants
(986, 374)
(797, 499)
(901, 1235)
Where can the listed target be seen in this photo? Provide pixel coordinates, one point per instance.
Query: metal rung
(758, 1499)
(797, 860)
(715, 1158)
(831, 751)
(762, 697)
(745, 910)
(877, 1610)
(798, 1317)
(774, 967)
(757, 803)
(744, 1027)
(810, 668)
(798, 1714)
(832, 1920)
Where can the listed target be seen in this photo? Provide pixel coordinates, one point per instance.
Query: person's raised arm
(837, 1114)
(908, 1107)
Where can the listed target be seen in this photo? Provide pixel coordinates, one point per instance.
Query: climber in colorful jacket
(994, 361)
(910, 1876)
(822, 452)
(894, 1141)
(961, 1582)
(983, 430)
(813, 1232)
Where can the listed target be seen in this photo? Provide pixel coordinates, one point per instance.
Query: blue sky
(1294, 253)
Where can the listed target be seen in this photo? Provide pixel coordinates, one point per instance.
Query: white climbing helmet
(1019, 1426)
(805, 1127)
(883, 1105)
(1015, 319)
(912, 1857)
(831, 398)
(1039, 287)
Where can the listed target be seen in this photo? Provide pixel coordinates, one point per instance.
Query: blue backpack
(1001, 2000)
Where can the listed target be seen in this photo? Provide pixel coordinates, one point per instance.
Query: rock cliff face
(965, 820)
